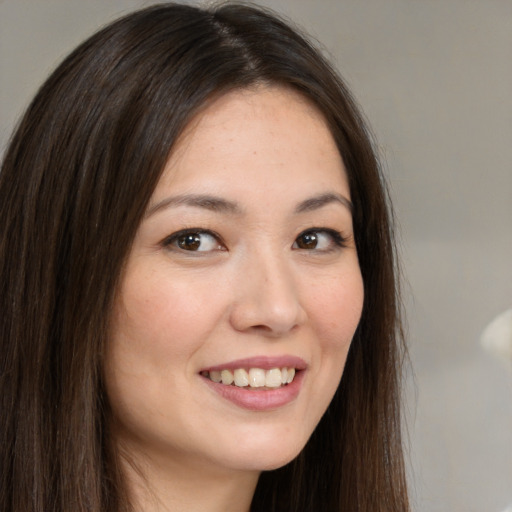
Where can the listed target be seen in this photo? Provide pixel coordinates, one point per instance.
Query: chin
(267, 455)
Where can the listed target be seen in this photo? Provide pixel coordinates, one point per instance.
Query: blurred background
(434, 78)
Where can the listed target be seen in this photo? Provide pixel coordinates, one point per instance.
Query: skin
(253, 289)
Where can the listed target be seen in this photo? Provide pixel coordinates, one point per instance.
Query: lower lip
(257, 399)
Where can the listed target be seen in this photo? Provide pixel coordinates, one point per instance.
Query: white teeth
(241, 378)
(273, 378)
(227, 377)
(254, 377)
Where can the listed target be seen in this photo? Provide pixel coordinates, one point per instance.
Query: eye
(319, 240)
(194, 240)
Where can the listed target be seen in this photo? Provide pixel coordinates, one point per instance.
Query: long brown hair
(74, 186)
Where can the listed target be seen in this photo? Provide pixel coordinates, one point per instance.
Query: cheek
(337, 307)
(156, 329)
(157, 315)
(335, 314)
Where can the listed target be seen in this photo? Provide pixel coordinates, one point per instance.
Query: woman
(195, 249)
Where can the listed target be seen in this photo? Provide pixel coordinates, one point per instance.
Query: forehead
(257, 137)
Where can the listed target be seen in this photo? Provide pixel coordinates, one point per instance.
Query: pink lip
(260, 399)
(263, 362)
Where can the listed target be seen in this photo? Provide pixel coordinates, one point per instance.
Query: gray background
(435, 79)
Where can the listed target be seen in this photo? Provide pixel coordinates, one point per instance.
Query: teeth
(241, 378)
(273, 378)
(254, 377)
(216, 376)
(227, 377)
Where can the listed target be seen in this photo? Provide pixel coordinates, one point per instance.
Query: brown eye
(194, 241)
(307, 240)
(320, 240)
(189, 241)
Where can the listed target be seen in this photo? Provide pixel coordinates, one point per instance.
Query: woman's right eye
(195, 240)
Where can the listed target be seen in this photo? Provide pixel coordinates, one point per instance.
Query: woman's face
(244, 267)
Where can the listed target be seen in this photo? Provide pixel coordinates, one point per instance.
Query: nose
(267, 299)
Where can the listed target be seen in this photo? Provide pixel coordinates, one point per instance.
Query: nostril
(261, 327)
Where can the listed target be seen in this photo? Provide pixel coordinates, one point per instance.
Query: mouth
(258, 383)
(253, 378)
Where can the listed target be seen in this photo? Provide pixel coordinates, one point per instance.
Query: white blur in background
(435, 79)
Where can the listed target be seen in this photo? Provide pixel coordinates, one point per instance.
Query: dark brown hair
(74, 186)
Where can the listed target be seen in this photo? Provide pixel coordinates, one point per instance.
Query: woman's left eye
(194, 240)
(319, 240)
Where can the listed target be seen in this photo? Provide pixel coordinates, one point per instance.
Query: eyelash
(337, 239)
(174, 238)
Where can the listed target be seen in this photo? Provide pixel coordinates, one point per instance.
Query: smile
(252, 377)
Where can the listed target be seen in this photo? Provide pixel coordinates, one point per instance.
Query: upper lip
(263, 362)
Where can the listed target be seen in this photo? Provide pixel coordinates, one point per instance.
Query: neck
(172, 486)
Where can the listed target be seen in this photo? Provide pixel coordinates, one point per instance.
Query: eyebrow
(207, 202)
(217, 204)
(317, 202)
